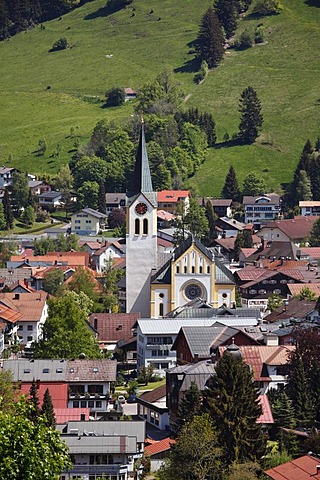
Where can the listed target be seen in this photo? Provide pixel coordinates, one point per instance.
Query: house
(295, 288)
(157, 451)
(294, 230)
(229, 227)
(28, 259)
(50, 199)
(107, 449)
(302, 468)
(115, 200)
(310, 208)
(291, 309)
(6, 176)
(271, 251)
(261, 209)
(88, 222)
(221, 206)
(72, 383)
(164, 219)
(38, 187)
(113, 327)
(105, 254)
(169, 200)
(33, 311)
(267, 362)
(193, 344)
(152, 407)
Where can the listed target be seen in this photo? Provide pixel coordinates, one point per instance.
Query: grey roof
(35, 183)
(132, 428)
(94, 213)
(198, 373)
(170, 325)
(115, 198)
(94, 444)
(223, 275)
(273, 199)
(142, 182)
(103, 370)
(198, 308)
(52, 194)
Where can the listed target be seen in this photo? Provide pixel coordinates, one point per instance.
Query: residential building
(38, 187)
(28, 259)
(310, 208)
(50, 199)
(294, 230)
(152, 407)
(293, 308)
(261, 209)
(229, 227)
(115, 200)
(302, 468)
(88, 222)
(169, 200)
(157, 451)
(6, 176)
(107, 449)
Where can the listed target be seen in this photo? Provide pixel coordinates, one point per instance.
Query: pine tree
(251, 116)
(314, 239)
(317, 145)
(227, 13)
(3, 223)
(303, 164)
(189, 406)
(207, 124)
(238, 245)
(303, 186)
(212, 218)
(247, 239)
(210, 40)
(231, 187)
(232, 401)
(315, 176)
(298, 390)
(102, 207)
(7, 209)
(48, 410)
(34, 413)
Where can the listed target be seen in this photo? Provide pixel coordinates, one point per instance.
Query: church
(156, 285)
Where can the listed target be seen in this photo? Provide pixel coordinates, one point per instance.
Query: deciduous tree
(253, 185)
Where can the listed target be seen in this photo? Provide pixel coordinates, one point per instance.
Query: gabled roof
(94, 213)
(29, 305)
(179, 251)
(266, 415)
(295, 288)
(113, 327)
(172, 196)
(295, 308)
(271, 198)
(275, 250)
(223, 275)
(54, 258)
(267, 274)
(302, 468)
(154, 395)
(84, 370)
(158, 447)
(52, 194)
(295, 228)
(198, 373)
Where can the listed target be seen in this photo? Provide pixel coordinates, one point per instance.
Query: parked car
(132, 399)
(121, 399)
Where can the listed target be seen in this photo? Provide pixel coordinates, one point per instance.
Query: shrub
(245, 40)
(258, 35)
(41, 215)
(115, 97)
(267, 7)
(60, 44)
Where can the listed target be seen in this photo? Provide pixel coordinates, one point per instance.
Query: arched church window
(145, 227)
(160, 309)
(177, 269)
(193, 269)
(200, 269)
(208, 269)
(137, 226)
(185, 269)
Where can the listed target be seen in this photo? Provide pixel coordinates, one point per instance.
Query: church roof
(187, 244)
(142, 182)
(223, 275)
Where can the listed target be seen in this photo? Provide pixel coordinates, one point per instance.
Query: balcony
(96, 469)
(88, 396)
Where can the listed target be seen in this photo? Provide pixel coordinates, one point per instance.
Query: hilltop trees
(253, 185)
(227, 13)
(251, 116)
(210, 40)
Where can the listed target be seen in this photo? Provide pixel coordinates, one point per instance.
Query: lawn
(37, 227)
(46, 94)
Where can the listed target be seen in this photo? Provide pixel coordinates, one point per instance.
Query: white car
(121, 399)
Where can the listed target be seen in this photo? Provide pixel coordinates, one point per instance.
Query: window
(59, 370)
(277, 291)
(45, 370)
(75, 404)
(77, 228)
(20, 327)
(160, 309)
(252, 291)
(284, 282)
(193, 269)
(208, 269)
(90, 404)
(262, 291)
(200, 269)
(185, 269)
(145, 226)
(77, 221)
(29, 338)
(98, 404)
(30, 328)
(137, 226)
(26, 370)
(177, 269)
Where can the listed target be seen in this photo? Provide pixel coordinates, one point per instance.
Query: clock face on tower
(141, 208)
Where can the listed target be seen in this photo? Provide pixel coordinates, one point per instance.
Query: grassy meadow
(45, 94)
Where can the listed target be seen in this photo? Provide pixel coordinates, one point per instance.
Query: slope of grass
(283, 70)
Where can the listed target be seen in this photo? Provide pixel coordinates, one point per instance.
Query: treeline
(18, 15)
(306, 179)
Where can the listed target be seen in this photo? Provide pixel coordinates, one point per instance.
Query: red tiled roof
(163, 215)
(172, 196)
(294, 309)
(295, 288)
(64, 415)
(154, 395)
(9, 315)
(248, 251)
(71, 258)
(313, 252)
(301, 468)
(112, 327)
(160, 446)
(266, 416)
(30, 305)
(58, 392)
(295, 228)
(164, 243)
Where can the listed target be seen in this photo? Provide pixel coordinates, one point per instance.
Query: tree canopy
(210, 40)
(251, 116)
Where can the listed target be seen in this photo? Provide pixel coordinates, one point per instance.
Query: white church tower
(141, 237)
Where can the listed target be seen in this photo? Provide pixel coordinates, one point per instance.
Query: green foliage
(193, 221)
(89, 169)
(65, 332)
(28, 216)
(132, 387)
(196, 453)
(298, 390)
(19, 190)
(53, 281)
(189, 406)
(145, 374)
(304, 187)
(47, 410)
(115, 97)
(244, 471)
(227, 13)
(274, 301)
(210, 40)
(3, 223)
(7, 390)
(116, 218)
(201, 75)
(34, 402)
(231, 400)
(231, 188)
(314, 239)
(238, 245)
(253, 185)
(267, 7)
(212, 218)
(245, 40)
(306, 294)
(61, 244)
(88, 195)
(42, 146)
(7, 209)
(29, 450)
(276, 458)
(259, 35)
(251, 116)
(60, 44)
(6, 250)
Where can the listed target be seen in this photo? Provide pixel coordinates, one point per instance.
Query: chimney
(16, 296)
(318, 469)
(196, 358)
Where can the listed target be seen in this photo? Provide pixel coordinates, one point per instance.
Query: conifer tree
(232, 401)
(102, 207)
(227, 13)
(251, 116)
(247, 239)
(315, 175)
(303, 164)
(298, 390)
(7, 209)
(238, 245)
(207, 124)
(189, 406)
(212, 218)
(34, 413)
(231, 187)
(48, 410)
(210, 40)
(303, 186)
(317, 145)
(3, 223)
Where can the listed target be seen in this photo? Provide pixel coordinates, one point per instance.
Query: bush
(258, 35)
(115, 97)
(60, 44)
(41, 215)
(245, 40)
(267, 7)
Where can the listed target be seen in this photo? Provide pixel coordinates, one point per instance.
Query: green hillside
(283, 70)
